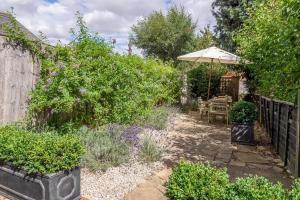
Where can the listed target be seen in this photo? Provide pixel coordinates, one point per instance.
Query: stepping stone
(164, 174)
(225, 157)
(250, 158)
(259, 166)
(277, 169)
(208, 152)
(245, 148)
(237, 163)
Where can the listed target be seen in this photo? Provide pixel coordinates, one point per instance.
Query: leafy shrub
(268, 38)
(149, 151)
(295, 192)
(198, 81)
(105, 147)
(86, 83)
(197, 181)
(39, 153)
(157, 118)
(255, 188)
(243, 112)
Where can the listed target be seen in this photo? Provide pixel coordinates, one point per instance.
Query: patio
(196, 140)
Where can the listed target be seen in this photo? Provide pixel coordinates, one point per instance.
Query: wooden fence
(281, 121)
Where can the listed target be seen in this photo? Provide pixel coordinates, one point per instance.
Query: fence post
(298, 137)
(260, 112)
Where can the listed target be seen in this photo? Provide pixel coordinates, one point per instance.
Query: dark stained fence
(281, 121)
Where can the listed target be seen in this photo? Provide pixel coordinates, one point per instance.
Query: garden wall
(18, 74)
(281, 122)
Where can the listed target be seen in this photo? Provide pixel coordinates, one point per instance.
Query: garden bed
(116, 182)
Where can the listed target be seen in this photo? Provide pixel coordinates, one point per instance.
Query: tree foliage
(165, 36)
(230, 15)
(270, 39)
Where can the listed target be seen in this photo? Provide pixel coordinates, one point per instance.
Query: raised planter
(17, 185)
(242, 133)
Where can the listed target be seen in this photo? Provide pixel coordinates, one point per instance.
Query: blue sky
(112, 19)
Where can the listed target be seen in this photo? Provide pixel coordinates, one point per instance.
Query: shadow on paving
(198, 141)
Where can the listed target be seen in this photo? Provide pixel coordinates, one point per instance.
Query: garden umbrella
(211, 55)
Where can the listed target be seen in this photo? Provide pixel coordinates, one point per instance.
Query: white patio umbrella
(211, 55)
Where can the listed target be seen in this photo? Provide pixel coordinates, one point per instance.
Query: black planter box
(242, 133)
(16, 185)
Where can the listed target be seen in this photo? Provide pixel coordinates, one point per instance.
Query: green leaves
(255, 188)
(270, 39)
(243, 112)
(39, 153)
(88, 84)
(165, 36)
(230, 15)
(197, 181)
(200, 181)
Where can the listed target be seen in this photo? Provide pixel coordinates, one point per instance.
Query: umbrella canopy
(212, 55)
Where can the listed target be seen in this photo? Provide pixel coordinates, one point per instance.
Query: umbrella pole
(209, 81)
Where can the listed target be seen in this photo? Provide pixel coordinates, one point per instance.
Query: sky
(112, 19)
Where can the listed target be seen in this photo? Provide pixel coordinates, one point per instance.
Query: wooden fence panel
(279, 119)
(291, 155)
(18, 75)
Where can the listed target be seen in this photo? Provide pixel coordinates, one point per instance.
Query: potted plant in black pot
(41, 166)
(242, 116)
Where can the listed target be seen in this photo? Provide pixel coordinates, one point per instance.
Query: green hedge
(39, 153)
(200, 181)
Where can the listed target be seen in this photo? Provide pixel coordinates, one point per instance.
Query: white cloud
(110, 18)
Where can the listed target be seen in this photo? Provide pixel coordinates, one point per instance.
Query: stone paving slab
(197, 141)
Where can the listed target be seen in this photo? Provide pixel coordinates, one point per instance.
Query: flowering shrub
(86, 83)
(105, 147)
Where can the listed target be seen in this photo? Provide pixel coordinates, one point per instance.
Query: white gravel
(116, 182)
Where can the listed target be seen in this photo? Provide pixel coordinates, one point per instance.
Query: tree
(230, 15)
(270, 39)
(165, 36)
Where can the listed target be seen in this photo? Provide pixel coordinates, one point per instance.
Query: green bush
(255, 188)
(295, 192)
(39, 153)
(269, 39)
(87, 83)
(243, 112)
(198, 81)
(105, 147)
(197, 181)
(149, 151)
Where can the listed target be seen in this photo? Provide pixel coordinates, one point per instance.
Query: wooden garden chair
(219, 107)
(203, 107)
